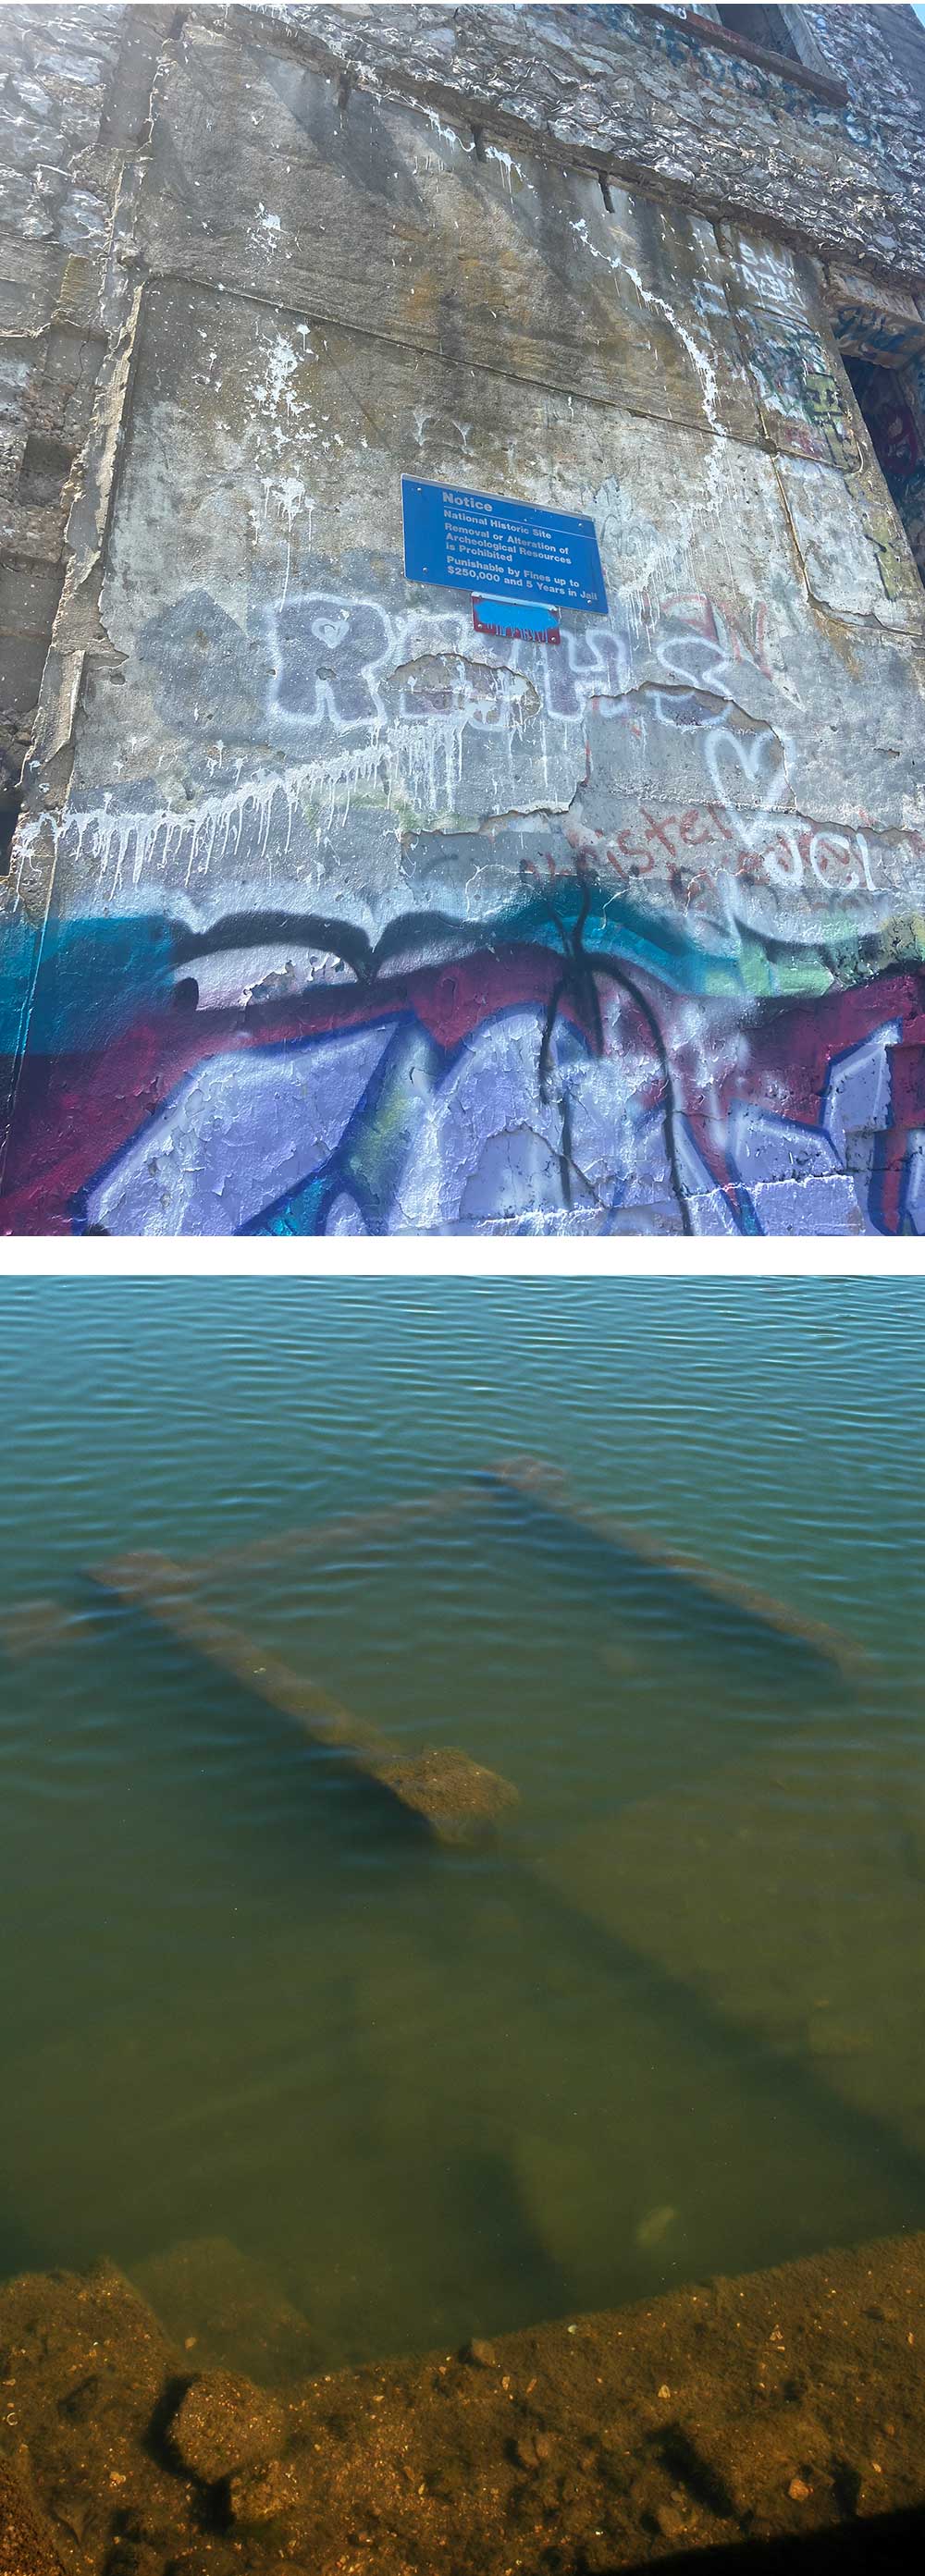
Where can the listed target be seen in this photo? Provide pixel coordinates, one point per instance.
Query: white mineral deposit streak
(664, 557)
(282, 363)
(419, 764)
(111, 841)
(291, 501)
(656, 304)
(507, 165)
(447, 133)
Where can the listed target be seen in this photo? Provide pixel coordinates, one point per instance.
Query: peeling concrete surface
(328, 915)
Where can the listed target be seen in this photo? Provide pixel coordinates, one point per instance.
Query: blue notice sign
(463, 540)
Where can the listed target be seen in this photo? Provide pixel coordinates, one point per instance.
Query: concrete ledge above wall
(637, 92)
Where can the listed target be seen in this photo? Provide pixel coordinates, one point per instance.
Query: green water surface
(671, 2021)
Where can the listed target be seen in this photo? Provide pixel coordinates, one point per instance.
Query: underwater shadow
(887, 2541)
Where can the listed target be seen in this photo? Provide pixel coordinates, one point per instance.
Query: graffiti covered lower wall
(331, 916)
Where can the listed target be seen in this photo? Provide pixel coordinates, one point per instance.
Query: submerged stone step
(37, 1627)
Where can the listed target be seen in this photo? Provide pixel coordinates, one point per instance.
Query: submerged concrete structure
(324, 913)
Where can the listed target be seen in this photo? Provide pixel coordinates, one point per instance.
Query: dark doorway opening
(891, 405)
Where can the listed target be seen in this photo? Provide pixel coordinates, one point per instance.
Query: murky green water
(673, 2021)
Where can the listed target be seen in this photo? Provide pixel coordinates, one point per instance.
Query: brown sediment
(783, 2404)
(451, 1795)
(537, 1481)
(27, 2539)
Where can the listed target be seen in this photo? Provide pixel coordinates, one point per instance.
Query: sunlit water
(670, 2022)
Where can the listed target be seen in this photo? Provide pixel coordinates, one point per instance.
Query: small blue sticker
(517, 618)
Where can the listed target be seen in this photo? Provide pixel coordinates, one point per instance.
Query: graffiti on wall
(689, 50)
(515, 1089)
(803, 403)
(862, 330)
(617, 1013)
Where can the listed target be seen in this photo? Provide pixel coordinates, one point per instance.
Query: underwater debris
(223, 2424)
(654, 2226)
(227, 2309)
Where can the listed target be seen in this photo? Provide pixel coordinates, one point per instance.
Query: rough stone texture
(72, 101)
(769, 2407)
(26, 2544)
(262, 2494)
(637, 92)
(327, 918)
(458, 1797)
(84, 2367)
(222, 2424)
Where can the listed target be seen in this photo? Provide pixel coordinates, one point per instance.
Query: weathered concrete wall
(74, 94)
(330, 916)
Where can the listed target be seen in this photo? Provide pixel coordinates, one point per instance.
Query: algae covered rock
(223, 2423)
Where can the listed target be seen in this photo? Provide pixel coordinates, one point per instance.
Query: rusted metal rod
(537, 1481)
(453, 1796)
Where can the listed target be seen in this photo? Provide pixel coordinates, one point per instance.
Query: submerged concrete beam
(42, 1625)
(325, 1538)
(456, 1798)
(536, 1481)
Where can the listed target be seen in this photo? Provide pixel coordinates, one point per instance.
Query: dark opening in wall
(44, 472)
(888, 401)
(765, 27)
